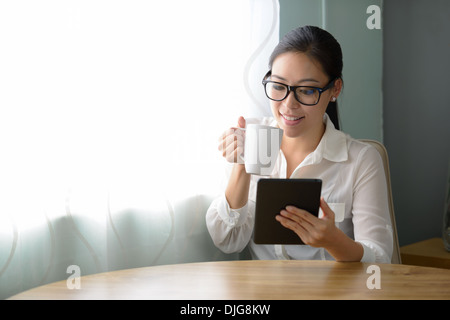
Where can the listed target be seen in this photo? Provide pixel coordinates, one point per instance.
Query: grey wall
(397, 90)
(416, 86)
(360, 104)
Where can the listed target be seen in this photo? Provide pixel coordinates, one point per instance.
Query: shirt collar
(333, 145)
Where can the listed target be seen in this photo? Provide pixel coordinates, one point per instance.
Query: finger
(291, 216)
(229, 137)
(239, 155)
(226, 133)
(229, 150)
(234, 140)
(327, 212)
(301, 232)
(236, 131)
(241, 122)
(222, 139)
(230, 131)
(303, 214)
(289, 223)
(233, 152)
(223, 143)
(306, 226)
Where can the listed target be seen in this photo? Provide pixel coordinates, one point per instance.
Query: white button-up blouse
(353, 184)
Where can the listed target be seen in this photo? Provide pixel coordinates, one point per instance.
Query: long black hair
(319, 45)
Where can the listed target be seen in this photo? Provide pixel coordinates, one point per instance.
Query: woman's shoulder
(364, 150)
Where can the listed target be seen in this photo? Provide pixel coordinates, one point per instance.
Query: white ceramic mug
(261, 146)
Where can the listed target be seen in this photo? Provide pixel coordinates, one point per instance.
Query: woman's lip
(290, 116)
(291, 122)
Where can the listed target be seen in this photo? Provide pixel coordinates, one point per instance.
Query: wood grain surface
(259, 279)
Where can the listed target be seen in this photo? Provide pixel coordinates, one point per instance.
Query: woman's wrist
(238, 187)
(343, 248)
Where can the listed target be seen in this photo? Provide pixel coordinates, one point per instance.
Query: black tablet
(272, 196)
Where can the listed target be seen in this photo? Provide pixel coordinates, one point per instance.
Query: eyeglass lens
(305, 95)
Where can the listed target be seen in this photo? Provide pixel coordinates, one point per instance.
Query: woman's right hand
(231, 142)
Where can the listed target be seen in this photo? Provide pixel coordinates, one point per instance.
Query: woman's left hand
(314, 231)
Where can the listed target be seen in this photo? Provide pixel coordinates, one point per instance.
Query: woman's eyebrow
(298, 82)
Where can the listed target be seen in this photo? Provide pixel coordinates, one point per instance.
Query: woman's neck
(302, 145)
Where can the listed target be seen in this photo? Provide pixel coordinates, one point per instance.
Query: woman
(303, 83)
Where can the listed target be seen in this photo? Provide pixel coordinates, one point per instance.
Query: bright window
(123, 95)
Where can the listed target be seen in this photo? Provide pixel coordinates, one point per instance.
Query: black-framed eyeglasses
(306, 95)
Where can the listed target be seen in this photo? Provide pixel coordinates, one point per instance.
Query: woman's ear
(337, 88)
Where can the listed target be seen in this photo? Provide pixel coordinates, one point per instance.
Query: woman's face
(296, 119)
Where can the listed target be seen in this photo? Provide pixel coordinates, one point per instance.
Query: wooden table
(258, 280)
(427, 253)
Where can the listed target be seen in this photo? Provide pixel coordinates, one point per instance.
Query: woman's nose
(290, 101)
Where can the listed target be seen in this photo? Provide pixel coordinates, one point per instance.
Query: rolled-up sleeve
(230, 229)
(371, 217)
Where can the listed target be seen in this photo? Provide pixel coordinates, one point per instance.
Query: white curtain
(110, 113)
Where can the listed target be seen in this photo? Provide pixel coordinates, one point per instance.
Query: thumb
(241, 122)
(327, 212)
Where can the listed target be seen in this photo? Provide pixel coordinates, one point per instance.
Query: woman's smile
(291, 120)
